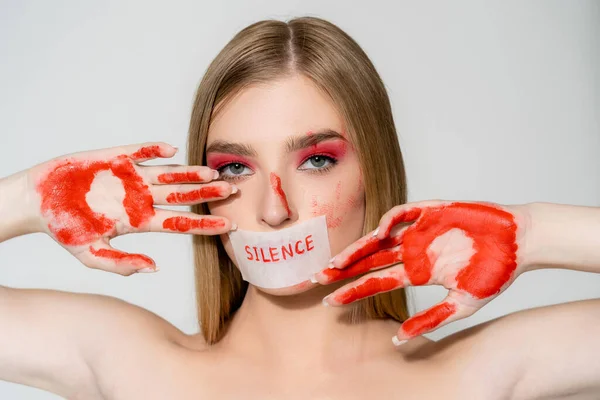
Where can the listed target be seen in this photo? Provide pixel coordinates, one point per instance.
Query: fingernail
(149, 269)
(176, 149)
(313, 280)
(234, 189)
(325, 303)
(397, 342)
(233, 227)
(332, 258)
(376, 232)
(215, 174)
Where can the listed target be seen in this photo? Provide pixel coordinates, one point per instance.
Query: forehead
(275, 110)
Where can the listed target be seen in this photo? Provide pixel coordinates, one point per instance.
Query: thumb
(101, 255)
(454, 307)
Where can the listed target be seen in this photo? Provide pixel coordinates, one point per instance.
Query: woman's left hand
(474, 249)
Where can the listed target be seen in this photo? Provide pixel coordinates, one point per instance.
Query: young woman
(291, 121)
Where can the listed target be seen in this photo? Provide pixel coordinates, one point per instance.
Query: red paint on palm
(119, 256)
(428, 320)
(184, 224)
(276, 185)
(493, 232)
(63, 199)
(138, 200)
(180, 177)
(204, 193)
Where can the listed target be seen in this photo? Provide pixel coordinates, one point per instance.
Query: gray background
(495, 101)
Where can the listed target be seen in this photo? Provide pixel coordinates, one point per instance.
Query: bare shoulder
(476, 362)
(127, 344)
(509, 357)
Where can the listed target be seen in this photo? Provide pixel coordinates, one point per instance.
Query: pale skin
(286, 343)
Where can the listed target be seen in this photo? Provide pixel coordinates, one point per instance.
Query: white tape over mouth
(278, 259)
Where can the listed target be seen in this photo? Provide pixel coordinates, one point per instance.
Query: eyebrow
(292, 144)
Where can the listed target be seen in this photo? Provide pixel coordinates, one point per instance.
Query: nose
(276, 208)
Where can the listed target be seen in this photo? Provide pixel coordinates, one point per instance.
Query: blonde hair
(335, 63)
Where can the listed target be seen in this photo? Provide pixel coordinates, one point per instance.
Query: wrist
(19, 206)
(528, 236)
(561, 236)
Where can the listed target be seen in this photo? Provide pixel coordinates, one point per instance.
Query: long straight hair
(335, 63)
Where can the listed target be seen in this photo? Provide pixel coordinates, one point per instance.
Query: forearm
(563, 236)
(17, 215)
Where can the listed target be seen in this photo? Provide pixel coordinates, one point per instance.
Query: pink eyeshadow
(333, 148)
(217, 160)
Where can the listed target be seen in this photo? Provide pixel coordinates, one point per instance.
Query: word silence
(283, 252)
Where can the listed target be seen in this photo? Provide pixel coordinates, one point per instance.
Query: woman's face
(284, 146)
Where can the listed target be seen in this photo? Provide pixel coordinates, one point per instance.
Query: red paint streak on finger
(180, 177)
(276, 185)
(63, 199)
(184, 224)
(405, 216)
(119, 256)
(148, 152)
(373, 262)
(367, 288)
(205, 193)
(428, 320)
(371, 246)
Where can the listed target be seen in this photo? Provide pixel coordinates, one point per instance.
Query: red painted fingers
(188, 222)
(369, 255)
(177, 174)
(377, 282)
(363, 247)
(149, 150)
(191, 193)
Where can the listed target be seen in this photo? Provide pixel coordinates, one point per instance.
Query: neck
(299, 332)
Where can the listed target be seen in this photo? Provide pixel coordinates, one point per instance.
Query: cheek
(345, 203)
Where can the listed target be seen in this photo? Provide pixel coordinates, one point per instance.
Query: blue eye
(233, 170)
(318, 162)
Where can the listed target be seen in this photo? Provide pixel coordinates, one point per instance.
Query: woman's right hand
(85, 199)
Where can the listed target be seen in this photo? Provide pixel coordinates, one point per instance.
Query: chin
(289, 290)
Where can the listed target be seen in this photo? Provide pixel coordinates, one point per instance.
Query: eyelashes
(330, 163)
